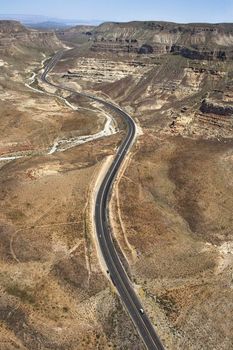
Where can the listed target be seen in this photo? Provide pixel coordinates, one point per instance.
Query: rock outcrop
(211, 107)
(195, 41)
(201, 53)
(9, 27)
(13, 34)
(116, 45)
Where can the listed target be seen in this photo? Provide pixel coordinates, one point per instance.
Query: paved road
(113, 262)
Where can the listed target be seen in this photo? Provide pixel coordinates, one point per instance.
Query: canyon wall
(195, 41)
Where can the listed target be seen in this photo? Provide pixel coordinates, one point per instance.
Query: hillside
(195, 40)
(17, 39)
(76, 35)
(11, 27)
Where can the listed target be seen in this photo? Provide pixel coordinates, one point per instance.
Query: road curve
(113, 262)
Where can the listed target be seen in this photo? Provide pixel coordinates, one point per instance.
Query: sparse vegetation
(24, 295)
(172, 213)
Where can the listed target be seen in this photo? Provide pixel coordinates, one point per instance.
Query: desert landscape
(171, 204)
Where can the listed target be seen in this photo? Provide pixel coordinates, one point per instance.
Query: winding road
(112, 260)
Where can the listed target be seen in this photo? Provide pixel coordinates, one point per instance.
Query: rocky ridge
(13, 35)
(198, 41)
(209, 106)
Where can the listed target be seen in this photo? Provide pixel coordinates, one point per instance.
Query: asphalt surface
(115, 268)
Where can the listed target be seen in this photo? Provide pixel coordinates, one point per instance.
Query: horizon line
(109, 20)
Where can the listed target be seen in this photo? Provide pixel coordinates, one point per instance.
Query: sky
(182, 11)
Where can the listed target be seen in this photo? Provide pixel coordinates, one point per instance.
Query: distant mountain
(48, 25)
(24, 18)
(47, 22)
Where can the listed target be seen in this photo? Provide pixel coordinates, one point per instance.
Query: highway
(115, 268)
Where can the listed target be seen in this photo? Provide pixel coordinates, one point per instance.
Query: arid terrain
(171, 208)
